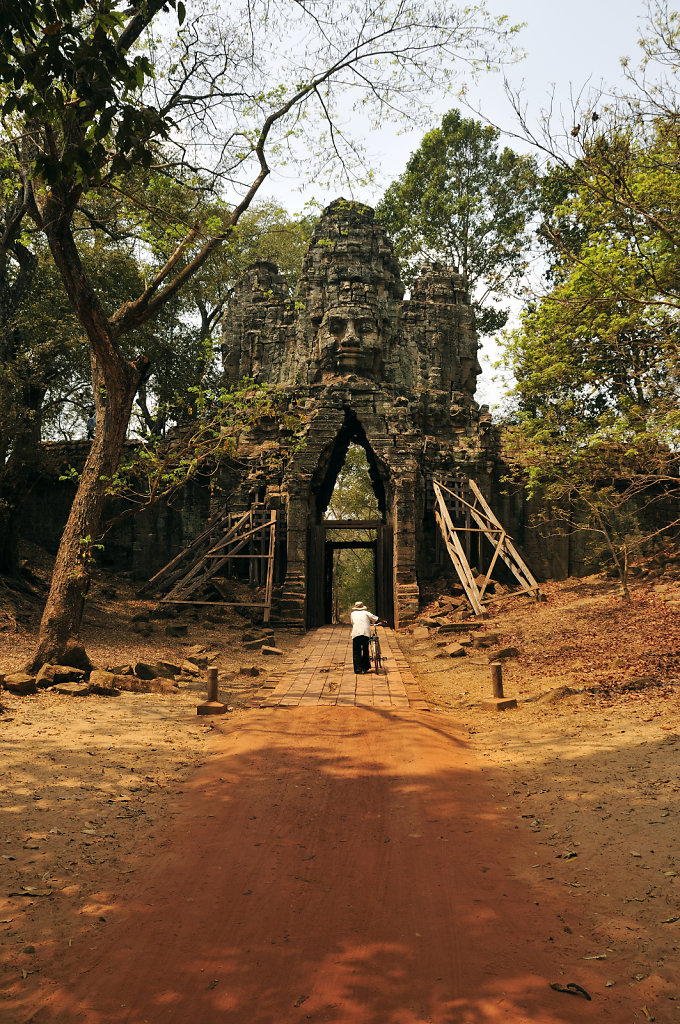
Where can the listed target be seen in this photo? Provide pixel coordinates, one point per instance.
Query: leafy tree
(620, 153)
(353, 569)
(595, 359)
(597, 426)
(184, 345)
(90, 94)
(465, 201)
(205, 443)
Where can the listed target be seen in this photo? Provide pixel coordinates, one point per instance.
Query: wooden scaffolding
(477, 510)
(202, 572)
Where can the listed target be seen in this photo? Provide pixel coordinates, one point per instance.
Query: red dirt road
(333, 865)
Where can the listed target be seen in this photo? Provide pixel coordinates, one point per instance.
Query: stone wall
(140, 545)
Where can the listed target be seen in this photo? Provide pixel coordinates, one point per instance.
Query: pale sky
(568, 47)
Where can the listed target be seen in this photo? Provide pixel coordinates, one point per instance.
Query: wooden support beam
(507, 549)
(353, 524)
(269, 586)
(456, 552)
(491, 527)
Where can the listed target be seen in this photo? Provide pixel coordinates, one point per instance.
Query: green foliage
(595, 359)
(464, 201)
(67, 64)
(214, 434)
(353, 569)
(353, 496)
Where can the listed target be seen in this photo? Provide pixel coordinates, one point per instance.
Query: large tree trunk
(114, 382)
(63, 612)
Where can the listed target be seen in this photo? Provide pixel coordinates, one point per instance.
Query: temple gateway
(396, 376)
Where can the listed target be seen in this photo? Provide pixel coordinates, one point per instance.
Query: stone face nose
(351, 338)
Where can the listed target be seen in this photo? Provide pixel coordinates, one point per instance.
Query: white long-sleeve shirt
(361, 622)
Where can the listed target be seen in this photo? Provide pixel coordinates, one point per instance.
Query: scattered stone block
(455, 650)
(249, 670)
(168, 668)
(420, 632)
(202, 660)
(142, 628)
(131, 684)
(504, 653)
(167, 686)
(639, 683)
(188, 668)
(73, 689)
(102, 677)
(485, 640)
(53, 675)
(456, 627)
(20, 683)
(145, 670)
(103, 683)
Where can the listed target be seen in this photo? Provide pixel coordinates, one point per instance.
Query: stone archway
(320, 530)
(319, 546)
(397, 376)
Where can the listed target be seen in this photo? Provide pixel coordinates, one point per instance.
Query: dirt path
(346, 865)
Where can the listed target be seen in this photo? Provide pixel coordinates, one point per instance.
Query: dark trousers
(360, 657)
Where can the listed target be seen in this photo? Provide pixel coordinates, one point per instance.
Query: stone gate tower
(395, 376)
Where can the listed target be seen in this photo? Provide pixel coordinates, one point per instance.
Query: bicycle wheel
(377, 657)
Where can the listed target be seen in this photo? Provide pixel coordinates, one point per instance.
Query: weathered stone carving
(397, 376)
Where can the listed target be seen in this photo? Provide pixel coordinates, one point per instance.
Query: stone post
(406, 590)
(294, 592)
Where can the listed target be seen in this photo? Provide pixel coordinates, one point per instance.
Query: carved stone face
(349, 340)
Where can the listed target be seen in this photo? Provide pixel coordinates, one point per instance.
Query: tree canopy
(595, 358)
(465, 201)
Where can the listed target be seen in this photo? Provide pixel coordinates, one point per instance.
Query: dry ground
(588, 762)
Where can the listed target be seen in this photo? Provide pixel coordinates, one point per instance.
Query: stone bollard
(498, 702)
(212, 706)
(497, 679)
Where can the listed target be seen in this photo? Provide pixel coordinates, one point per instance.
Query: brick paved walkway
(320, 672)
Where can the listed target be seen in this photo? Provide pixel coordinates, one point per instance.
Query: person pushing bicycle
(362, 620)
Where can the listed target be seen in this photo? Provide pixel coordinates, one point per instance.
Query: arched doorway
(350, 540)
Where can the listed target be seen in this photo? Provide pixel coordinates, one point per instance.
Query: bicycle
(374, 654)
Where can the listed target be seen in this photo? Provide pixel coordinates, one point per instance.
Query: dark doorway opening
(348, 558)
(350, 544)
